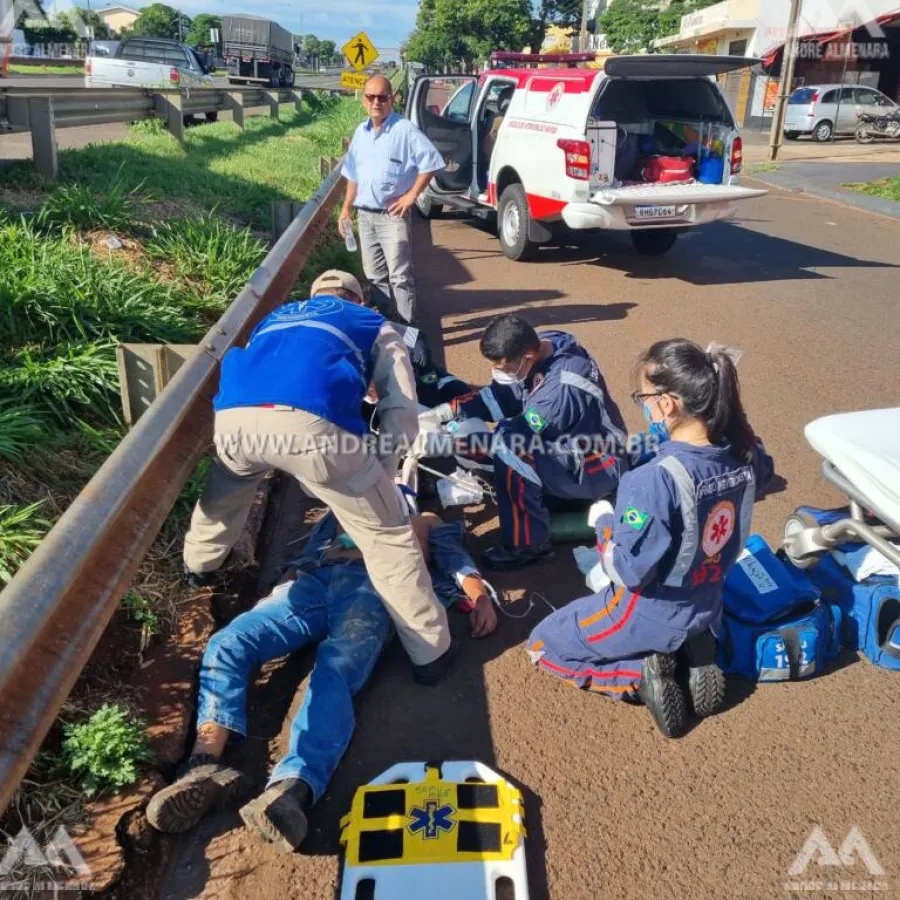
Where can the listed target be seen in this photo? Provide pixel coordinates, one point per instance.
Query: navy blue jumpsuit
(434, 384)
(561, 435)
(679, 524)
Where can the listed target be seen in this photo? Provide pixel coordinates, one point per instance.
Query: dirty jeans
(386, 247)
(334, 606)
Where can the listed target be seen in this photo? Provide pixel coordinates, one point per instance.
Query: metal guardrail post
(170, 108)
(43, 136)
(298, 100)
(235, 102)
(271, 98)
(54, 611)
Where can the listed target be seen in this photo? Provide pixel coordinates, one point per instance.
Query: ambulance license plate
(654, 212)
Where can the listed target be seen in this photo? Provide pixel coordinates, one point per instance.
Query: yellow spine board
(433, 821)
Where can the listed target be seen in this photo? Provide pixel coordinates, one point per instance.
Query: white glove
(600, 508)
(437, 416)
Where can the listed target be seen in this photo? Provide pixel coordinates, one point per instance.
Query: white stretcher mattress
(864, 447)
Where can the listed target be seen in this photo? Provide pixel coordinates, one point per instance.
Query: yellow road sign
(360, 51)
(354, 81)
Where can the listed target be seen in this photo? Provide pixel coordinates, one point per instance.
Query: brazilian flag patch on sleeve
(429, 378)
(635, 518)
(536, 422)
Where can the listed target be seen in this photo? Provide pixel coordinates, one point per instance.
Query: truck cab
(648, 145)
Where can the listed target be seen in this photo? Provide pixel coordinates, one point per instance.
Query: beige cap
(334, 279)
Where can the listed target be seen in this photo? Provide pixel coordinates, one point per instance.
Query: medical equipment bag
(871, 611)
(775, 628)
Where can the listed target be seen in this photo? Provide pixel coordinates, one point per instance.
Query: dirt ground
(808, 291)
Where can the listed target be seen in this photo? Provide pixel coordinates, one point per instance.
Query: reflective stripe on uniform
(505, 455)
(691, 536)
(579, 382)
(448, 379)
(746, 514)
(321, 326)
(487, 397)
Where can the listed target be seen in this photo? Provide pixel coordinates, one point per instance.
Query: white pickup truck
(143, 62)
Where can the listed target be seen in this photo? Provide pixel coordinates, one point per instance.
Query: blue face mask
(659, 430)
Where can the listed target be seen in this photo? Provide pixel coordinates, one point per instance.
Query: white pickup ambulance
(647, 145)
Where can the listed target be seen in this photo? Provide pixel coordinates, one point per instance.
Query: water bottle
(349, 238)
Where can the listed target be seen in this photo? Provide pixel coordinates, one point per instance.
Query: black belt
(369, 209)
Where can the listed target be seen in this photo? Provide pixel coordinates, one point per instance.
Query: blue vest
(315, 356)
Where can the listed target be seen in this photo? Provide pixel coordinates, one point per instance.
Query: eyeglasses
(381, 98)
(638, 398)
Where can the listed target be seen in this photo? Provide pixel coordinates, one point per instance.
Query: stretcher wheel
(797, 522)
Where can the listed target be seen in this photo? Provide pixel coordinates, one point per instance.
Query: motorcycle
(872, 126)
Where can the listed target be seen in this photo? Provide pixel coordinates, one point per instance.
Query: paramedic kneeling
(567, 440)
(679, 524)
(291, 400)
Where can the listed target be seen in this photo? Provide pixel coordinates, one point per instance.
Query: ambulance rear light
(737, 155)
(174, 76)
(578, 158)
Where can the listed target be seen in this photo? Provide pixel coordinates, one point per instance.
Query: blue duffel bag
(775, 628)
(871, 611)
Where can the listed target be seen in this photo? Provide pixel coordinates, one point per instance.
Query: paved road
(807, 290)
(321, 82)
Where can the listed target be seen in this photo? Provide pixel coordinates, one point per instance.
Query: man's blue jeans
(334, 606)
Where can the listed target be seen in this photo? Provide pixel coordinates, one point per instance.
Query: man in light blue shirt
(388, 165)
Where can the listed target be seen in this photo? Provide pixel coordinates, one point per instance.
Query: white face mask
(508, 378)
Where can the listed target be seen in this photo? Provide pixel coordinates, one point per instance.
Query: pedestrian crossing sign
(360, 51)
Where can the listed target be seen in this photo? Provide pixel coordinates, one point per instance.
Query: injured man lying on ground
(327, 599)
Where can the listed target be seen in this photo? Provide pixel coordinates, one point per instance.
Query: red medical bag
(667, 169)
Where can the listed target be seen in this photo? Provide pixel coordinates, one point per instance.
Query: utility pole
(788, 61)
(582, 38)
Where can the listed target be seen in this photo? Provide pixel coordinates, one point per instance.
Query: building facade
(118, 18)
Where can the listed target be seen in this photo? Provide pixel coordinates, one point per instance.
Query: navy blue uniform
(561, 435)
(679, 524)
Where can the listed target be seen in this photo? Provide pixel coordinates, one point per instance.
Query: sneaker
(509, 558)
(205, 784)
(662, 695)
(431, 673)
(706, 681)
(279, 816)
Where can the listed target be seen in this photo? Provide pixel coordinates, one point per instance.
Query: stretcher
(861, 452)
(438, 831)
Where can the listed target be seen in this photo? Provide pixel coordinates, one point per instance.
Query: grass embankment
(190, 223)
(20, 69)
(886, 188)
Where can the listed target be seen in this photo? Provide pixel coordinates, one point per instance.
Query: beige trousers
(353, 483)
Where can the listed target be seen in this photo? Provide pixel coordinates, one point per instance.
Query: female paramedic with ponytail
(679, 524)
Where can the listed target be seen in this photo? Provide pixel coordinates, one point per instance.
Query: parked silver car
(821, 110)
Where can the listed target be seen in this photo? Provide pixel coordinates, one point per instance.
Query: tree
(327, 52)
(79, 18)
(461, 33)
(159, 20)
(631, 26)
(311, 46)
(198, 36)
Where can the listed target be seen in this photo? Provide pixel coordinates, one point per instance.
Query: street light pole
(787, 79)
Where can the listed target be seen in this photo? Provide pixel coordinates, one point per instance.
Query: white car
(148, 63)
(553, 147)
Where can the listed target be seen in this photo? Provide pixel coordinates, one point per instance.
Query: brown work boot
(205, 784)
(278, 816)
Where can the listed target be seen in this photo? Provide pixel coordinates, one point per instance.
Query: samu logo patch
(536, 422)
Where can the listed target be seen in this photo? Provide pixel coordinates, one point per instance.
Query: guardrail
(54, 611)
(41, 111)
